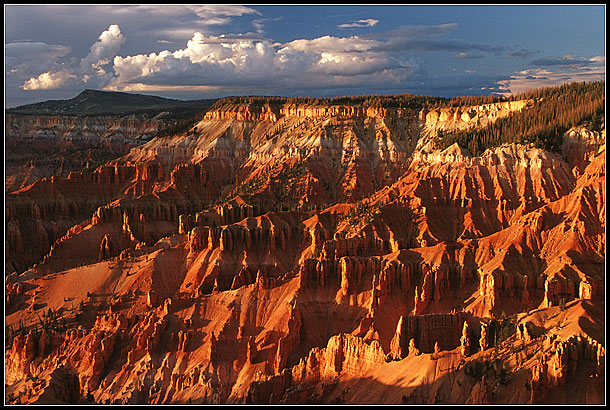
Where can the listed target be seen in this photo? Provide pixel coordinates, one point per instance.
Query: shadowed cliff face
(45, 146)
(312, 254)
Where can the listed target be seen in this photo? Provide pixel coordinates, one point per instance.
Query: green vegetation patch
(554, 110)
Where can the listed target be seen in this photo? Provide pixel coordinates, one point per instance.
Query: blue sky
(209, 51)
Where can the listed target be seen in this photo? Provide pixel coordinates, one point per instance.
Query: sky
(211, 51)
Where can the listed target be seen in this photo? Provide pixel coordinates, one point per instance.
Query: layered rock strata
(172, 275)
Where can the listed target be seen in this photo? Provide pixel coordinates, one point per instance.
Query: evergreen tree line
(372, 100)
(553, 111)
(410, 100)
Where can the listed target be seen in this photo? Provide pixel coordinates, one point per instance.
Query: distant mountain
(95, 103)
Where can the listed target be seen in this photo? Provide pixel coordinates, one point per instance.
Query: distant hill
(98, 103)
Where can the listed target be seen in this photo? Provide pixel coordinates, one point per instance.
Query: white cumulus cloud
(204, 61)
(360, 23)
(48, 81)
(238, 63)
(220, 14)
(535, 78)
(104, 49)
(101, 53)
(226, 61)
(333, 44)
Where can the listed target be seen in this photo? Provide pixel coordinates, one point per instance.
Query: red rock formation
(64, 144)
(465, 348)
(184, 274)
(426, 331)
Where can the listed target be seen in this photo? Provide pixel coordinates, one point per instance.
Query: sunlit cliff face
(303, 254)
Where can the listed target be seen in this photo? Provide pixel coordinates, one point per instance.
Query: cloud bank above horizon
(213, 51)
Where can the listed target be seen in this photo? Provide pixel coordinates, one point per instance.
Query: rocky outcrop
(67, 144)
(226, 214)
(44, 212)
(106, 248)
(294, 110)
(427, 332)
(579, 147)
(344, 355)
(568, 355)
(70, 128)
(63, 387)
(498, 284)
(267, 112)
(231, 263)
(348, 272)
(465, 348)
(244, 112)
(558, 290)
(436, 285)
(23, 352)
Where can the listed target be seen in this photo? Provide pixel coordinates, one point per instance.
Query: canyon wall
(311, 255)
(45, 146)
